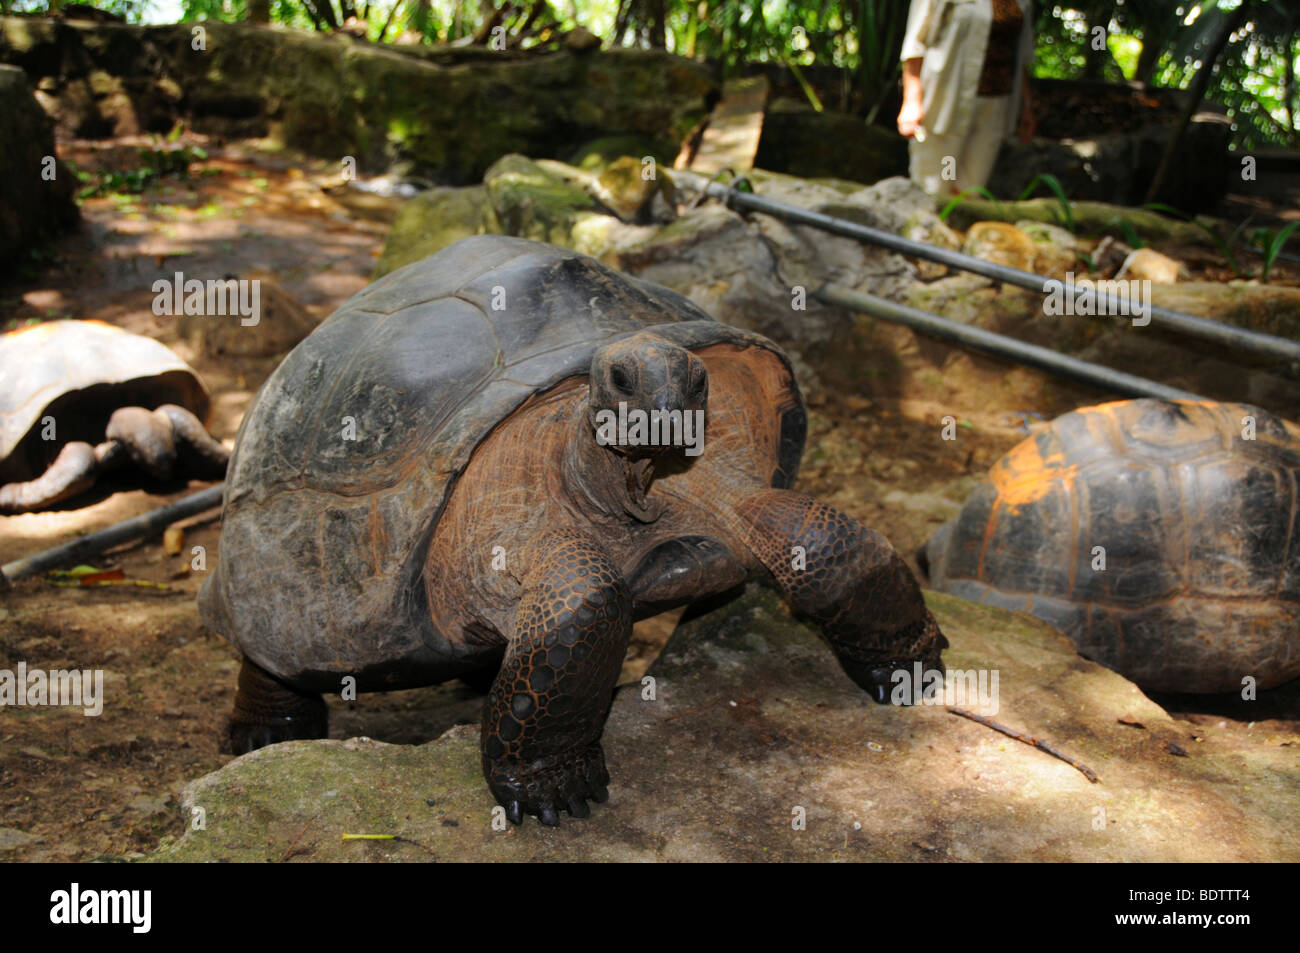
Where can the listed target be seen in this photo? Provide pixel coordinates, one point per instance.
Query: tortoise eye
(620, 379)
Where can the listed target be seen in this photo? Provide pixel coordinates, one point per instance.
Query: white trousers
(946, 165)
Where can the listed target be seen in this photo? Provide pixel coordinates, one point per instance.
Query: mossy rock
(430, 222)
(331, 97)
(751, 718)
(809, 144)
(530, 202)
(594, 156)
(1090, 218)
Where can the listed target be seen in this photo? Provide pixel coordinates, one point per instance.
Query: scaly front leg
(847, 579)
(544, 716)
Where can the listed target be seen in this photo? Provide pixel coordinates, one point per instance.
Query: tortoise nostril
(668, 400)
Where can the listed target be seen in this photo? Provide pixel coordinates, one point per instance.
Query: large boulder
(35, 189)
(800, 141)
(451, 115)
(750, 743)
(430, 222)
(530, 201)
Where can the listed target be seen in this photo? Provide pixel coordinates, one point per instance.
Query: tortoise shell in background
(1162, 537)
(79, 372)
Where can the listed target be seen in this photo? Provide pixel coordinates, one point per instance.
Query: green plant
(1131, 236)
(1054, 185)
(154, 163)
(966, 193)
(1223, 245)
(1271, 244)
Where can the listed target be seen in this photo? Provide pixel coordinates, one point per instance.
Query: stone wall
(448, 117)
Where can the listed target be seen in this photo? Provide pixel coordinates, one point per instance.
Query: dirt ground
(79, 788)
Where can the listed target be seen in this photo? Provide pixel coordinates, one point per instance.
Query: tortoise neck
(602, 481)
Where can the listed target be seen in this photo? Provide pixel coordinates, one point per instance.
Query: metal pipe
(1000, 345)
(95, 543)
(1215, 331)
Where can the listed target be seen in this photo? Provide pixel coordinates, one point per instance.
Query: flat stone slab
(756, 746)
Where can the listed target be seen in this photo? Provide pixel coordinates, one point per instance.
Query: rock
(1090, 218)
(626, 190)
(1001, 244)
(801, 142)
(751, 725)
(1267, 308)
(430, 222)
(581, 40)
(1120, 166)
(12, 837)
(1109, 255)
(759, 272)
(1147, 264)
(531, 202)
(1056, 250)
(281, 323)
(452, 112)
(1181, 361)
(595, 155)
(35, 189)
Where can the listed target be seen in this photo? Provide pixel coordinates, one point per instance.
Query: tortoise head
(649, 378)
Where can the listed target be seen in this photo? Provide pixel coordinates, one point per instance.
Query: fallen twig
(1038, 743)
(289, 851)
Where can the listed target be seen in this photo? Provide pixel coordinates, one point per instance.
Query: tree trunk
(658, 31)
(1095, 61)
(321, 13)
(1289, 83)
(1195, 93)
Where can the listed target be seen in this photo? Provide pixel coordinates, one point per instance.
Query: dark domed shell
(345, 459)
(1163, 538)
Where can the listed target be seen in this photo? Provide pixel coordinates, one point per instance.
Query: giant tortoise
(427, 489)
(80, 397)
(1162, 537)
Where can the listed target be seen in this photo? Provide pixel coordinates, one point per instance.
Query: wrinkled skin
(163, 442)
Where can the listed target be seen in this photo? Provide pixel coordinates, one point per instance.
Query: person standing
(965, 88)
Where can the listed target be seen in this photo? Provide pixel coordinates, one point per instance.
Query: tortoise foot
(268, 711)
(879, 682)
(243, 737)
(879, 678)
(545, 788)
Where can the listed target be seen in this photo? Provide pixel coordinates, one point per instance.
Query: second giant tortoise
(1162, 537)
(78, 398)
(427, 488)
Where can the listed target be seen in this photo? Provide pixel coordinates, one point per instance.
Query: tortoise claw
(547, 788)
